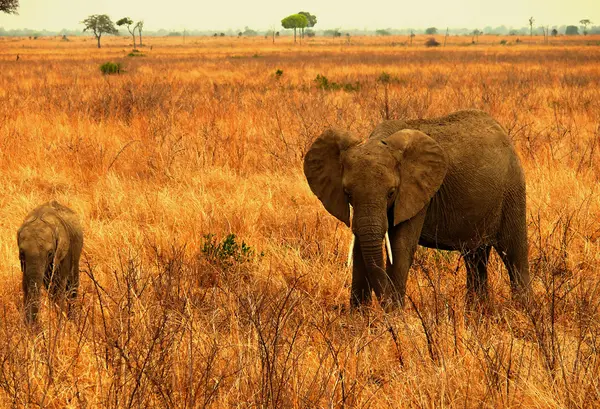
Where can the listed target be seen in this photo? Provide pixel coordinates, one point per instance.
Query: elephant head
(381, 178)
(43, 245)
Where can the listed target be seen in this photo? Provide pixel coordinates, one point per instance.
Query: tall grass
(191, 141)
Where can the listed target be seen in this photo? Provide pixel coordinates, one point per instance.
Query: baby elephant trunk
(32, 283)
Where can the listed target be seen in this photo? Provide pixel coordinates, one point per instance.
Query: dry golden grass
(205, 138)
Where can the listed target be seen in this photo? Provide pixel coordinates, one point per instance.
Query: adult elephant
(451, 183)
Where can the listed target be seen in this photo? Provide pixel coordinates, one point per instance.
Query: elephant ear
(61, 247)
(323, 170)
(422, 167)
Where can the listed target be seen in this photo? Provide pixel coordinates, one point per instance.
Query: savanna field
(194, 142)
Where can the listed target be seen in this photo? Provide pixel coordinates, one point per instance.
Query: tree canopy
(9, 6)
(294, 21)
(312, 19)
(572, 31)
(431, 31)
(99, 24)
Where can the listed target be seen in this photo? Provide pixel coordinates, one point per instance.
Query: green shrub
(278, 73)
(384, 78)
(111, 68)
(227, 253)
(326, 85)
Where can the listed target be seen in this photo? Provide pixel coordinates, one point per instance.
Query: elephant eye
(391, 193)
(348, 194)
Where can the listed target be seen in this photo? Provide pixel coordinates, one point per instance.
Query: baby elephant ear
(422, 167)
(323, 170)
(61, 247)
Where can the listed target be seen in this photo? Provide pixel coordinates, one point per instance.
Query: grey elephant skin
(451, 183)
(50, 242)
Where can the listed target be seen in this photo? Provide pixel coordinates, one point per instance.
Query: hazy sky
(262, 14)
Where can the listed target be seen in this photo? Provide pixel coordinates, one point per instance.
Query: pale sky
(263, 14)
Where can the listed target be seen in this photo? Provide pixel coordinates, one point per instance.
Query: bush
(384, 78)
(432, 42)
(135, 53)
(278, 73)
(503, 42)
(228, 253)
(110, 68)
(326, 85)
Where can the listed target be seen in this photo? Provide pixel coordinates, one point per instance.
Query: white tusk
(350, 251)
(388, 247)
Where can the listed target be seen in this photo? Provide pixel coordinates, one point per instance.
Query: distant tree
(476, 33)
(585, 22)
(554, 32)
(572, 31)
(310, 33)
(126, 21)
(382, 32)
(140, 27)
(248, 32)
(312, 20)
(531, 21)
(294, 21)
(221, 34)
(431, 31)
(9, 6)
(334, 33)
(100, 24)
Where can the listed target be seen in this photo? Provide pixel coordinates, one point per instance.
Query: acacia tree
(585, 22)
(9, 6)
(126, 21)
(312, 20)
(140, 26)
(431, 31)
(294, 21)
(100, 24)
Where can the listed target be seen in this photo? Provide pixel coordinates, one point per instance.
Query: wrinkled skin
(50, 242)
(451, 183)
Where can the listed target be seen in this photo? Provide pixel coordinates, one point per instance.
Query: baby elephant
(50, 242)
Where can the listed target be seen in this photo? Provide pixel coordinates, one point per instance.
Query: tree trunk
(98, 38)
(133, 35)
(140, 32)
(294, 35)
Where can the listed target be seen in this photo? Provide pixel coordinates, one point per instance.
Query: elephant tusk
(350, 251)
(388, 247)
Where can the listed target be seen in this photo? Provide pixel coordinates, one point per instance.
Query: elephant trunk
(370, 234)
(33, 274)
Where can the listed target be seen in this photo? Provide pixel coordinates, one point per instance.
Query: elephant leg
(476, 264)
(513, 250)
(361, 288)
(71, 293)
(404, 239)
